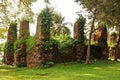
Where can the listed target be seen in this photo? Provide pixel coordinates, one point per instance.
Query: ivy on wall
(11, 38)
(47, 20)
(81, 24)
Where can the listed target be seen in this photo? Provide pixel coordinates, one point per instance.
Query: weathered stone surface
(79, 51)
(9, 45)
(38, 56)
(24, 29)
(102, 41)
(21, 56)
(34, 60)
(20, 53)
(79, 44)
(75, 30)
(9, 59)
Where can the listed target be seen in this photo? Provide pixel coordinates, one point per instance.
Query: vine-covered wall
(79, 37)
(9, 45)
(20, 44)
(40, 53)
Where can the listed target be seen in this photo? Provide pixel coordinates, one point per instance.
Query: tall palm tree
(60, 27)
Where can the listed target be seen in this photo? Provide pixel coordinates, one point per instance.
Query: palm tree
(59, 25)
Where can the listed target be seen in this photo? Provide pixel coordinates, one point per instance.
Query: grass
(97, 70)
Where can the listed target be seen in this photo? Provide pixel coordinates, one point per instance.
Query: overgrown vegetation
(64, 41)
(47, 20)
(11, 38)
(30, 41)
(48, 45)
(81, 27)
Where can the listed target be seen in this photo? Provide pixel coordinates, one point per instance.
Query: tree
(3, 32)
(89, 41)
(59, 25)
(11, 10)
(104, 10)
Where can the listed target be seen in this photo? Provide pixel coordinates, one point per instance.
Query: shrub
(48, 45)
(18, 43)
(9, 47)
(64, 41)
(47, 20)
(31, 42)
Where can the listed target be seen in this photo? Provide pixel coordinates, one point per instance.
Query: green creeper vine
(81, 24)
(47, 20)
(12, 36)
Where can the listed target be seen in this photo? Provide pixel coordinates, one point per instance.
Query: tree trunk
(89, 42)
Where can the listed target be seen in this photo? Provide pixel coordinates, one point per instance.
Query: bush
(18, 43)
(9, 47)
(48, 45)
(64, 41)
(31, 42)
(47, 20)
(65, 48)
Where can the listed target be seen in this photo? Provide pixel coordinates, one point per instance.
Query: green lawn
(99, 70)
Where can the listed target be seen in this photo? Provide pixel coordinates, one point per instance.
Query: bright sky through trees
(68, 8)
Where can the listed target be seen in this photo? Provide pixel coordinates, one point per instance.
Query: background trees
(60, 27)
(51, 25)
(103, 11)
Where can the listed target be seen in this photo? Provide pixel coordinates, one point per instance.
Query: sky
(67, 8)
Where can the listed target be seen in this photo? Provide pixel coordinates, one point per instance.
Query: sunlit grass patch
(97, 70)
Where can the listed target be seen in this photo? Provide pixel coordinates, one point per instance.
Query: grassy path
(100, 70)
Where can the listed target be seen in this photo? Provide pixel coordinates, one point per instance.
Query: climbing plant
(81, 26)
(11, 38)
(47, 20)
(9, 45)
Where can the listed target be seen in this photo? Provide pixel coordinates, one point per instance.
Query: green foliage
(85, 41)
(12, 36)
(31, 42)
(13, 30)
(1, 47)
(81, 26)
(47, 1)
(9, 47)
(58, 18)
(48, 45)
(6, 15)
(60, 27)
(94, 43)
(114, 34)
(47, 20)
(3, 31)
(103, 10)
(18, 43)
(113, 43)
(65, 41)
